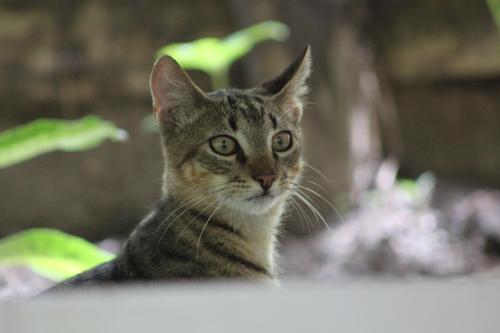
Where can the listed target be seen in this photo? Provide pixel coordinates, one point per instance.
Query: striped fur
(215, 218)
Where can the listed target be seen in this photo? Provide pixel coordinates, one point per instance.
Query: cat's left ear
(289, 88)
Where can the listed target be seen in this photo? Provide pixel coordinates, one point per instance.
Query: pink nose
(266, 181)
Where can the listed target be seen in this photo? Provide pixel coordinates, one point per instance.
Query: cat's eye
(282, 141)
(223, 145)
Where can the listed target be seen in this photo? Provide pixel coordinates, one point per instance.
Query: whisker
(198, 200)
(194, 218)
(318, 172)
(299, 209)
(316, 184)
(301, 200)
(305, 199)
(238, 200)
(292, 204)
(185, 202)
(206, 224)
(323, 199)
(302, 216)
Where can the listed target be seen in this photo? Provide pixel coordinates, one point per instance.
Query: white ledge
(307, 306)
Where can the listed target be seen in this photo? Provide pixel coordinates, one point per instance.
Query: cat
(232, 158)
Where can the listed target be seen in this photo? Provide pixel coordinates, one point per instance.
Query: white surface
(384, 306)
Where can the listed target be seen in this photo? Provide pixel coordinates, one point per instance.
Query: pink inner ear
(162, 116)
(159, 88)
(161, 107)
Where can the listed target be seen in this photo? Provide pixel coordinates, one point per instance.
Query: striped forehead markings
(232, 122)
(274, 121)
(253, 110)
(250, 106)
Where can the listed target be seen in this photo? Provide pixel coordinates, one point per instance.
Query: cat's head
(237, 148)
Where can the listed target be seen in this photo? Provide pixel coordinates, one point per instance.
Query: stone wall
(442, 61)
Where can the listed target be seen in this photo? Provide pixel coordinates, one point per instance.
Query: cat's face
(237, 148)
(240, 146)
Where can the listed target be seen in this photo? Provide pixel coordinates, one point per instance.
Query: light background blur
(415, 83)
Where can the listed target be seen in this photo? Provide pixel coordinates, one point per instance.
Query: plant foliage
(214, 56)
(495, 10)
(24, 142)
(51, 253)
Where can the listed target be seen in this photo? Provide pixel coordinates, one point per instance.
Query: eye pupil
(282, 141)
(223, 145)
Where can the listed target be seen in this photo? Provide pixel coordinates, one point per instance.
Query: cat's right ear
(289, 88)
(175, 96)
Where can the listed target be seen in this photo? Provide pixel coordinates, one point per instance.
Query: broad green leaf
(214, 55)
(44, 135)
(495, 10)
(241, 42)
(51, 253)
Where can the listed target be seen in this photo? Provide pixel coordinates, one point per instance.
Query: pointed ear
(175, 96)
(289, 88)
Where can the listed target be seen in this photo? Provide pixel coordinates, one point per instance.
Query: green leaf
(214, 55)
(24, 142)
(420, 190)
(410, 187)
(51, 253)
(495, 10)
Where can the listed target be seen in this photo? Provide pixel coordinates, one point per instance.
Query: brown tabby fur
(215, 219)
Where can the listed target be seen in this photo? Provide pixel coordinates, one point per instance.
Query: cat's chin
(256, 205)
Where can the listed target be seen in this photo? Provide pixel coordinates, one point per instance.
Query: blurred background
(402, 132)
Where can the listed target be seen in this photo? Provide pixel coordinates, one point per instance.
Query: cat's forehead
(245, 115)
(243, 99)
(247, 104)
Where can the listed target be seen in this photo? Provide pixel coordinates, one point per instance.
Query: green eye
(223, 145)
(282, 141)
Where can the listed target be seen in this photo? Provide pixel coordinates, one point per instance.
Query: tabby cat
(232, 157)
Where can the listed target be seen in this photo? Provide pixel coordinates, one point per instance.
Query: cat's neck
(258, 231)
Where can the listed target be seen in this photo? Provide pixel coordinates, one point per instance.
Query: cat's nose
(266, 181)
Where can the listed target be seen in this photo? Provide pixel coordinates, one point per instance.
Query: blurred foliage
(495, 10)
(51, 253)
(419, 191)
(24, 142)
(412, 193)
(214, 56)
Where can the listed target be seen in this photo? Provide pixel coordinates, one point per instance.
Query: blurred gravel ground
(454, 230)
(21, 282)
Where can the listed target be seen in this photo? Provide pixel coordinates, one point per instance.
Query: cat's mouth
(261, 196)
(258, 202)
